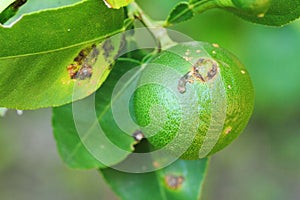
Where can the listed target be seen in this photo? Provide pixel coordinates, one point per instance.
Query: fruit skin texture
(237, 89)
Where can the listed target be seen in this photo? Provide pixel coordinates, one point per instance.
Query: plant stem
(155, 27)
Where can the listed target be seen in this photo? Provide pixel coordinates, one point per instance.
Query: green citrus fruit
(193, 99)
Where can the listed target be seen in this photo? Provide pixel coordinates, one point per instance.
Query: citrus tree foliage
(72, 55)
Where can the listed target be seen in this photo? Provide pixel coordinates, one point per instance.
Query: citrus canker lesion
(191, 99)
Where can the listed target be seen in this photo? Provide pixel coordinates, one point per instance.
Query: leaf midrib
(62, 48)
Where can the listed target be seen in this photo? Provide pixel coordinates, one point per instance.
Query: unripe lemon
(193, 99)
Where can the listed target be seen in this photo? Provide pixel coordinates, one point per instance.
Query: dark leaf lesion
(82, 66)
(173, 182)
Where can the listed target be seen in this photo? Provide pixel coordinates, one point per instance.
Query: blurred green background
(262, 164)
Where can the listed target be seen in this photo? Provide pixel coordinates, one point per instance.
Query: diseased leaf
(81, 129)
(182, 12)
(117, 3)
(34, 60)
(182, 179)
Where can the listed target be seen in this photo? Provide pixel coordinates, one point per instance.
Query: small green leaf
(75, 127)
(117, 3)
(184, 11)
(267, 12)
(34, 60)
(183, 179)
(180, 13)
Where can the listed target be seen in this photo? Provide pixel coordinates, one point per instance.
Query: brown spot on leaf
(82, 66)
(84, 72)
(107, 48)
(17, 4)
(72, 70)
(122, 48)
(174, 182)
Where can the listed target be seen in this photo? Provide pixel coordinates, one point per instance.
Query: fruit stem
(155, 27)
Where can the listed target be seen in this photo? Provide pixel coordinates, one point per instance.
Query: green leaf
(35, 55)
(183, 179)
(76, 130)
(267, 12)
(38, 5)
(117, 3)
(182, 12)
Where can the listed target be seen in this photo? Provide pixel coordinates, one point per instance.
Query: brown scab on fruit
(183, 81)
(174, 182)
(138, 135)
(204, 70)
